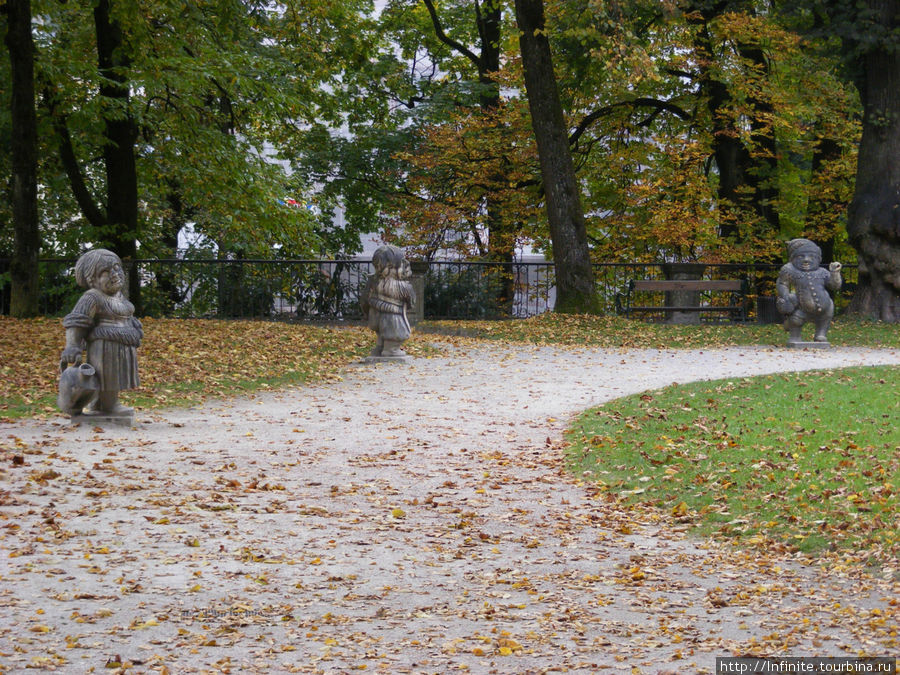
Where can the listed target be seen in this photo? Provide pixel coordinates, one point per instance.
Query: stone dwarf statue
(103, 325)
(802, 289)
(387, 299)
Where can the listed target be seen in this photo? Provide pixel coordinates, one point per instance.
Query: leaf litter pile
(416, 519)
(182, 361)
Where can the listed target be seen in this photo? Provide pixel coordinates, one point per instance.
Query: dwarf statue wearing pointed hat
(802, 288)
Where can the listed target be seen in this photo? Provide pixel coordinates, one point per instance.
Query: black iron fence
(330, 289)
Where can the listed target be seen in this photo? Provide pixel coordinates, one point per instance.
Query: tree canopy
(700, 130)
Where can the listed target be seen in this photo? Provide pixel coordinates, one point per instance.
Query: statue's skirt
(115, 363)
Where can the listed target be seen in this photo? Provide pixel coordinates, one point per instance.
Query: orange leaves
(486, 645)
(180, 360)
(468, 170)
(680, 510)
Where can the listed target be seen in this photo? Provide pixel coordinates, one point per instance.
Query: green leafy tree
(698, 129)
(165, 113)
(421, 65)
(351, 98)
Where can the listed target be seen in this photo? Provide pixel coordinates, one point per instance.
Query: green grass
(614, 331)
(804, 461)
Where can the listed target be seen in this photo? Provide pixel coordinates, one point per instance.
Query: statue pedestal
(105, 419)
(809, 345)
(388, 359)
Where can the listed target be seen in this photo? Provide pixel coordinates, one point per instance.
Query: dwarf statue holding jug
(102, 326)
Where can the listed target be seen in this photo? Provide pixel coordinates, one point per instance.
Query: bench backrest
(699, 285)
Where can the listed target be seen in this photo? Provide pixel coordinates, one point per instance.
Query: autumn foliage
(470, 187)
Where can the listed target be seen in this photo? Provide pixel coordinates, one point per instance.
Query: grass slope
(808, 461)
(614, 331)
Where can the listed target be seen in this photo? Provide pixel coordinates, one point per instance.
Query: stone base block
(105, 419)
(388, 359)
(809, 345)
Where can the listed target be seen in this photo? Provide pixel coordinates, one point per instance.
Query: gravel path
(408, 518)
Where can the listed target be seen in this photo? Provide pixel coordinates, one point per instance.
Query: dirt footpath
(409, 518)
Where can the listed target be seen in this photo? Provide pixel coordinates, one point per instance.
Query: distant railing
(330, 289)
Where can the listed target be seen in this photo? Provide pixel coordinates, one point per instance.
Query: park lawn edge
(583, 330)
(815, 484)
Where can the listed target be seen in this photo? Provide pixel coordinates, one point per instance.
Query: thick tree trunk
(25, 291)
(873, 223)
(761, 173)
(822, 210)
(118, 151)
(575, 290)
(489, 29)
(731, 159)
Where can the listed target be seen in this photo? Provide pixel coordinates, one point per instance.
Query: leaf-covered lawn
(182, 361)
(809, 461)
(614, 331)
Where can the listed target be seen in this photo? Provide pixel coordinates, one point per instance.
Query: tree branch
(94, 214)
(660, 106)
(443, 37)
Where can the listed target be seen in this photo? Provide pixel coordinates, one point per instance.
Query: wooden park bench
(736, 302)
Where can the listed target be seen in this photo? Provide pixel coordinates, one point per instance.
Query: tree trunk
(763, 165)
(25, 291)
(501, 227)
(822, 209)
(873, 219)
(740, 167)
(731, 159)
(575, 290)
(118, 151)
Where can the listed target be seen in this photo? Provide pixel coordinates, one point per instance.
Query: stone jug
(78, 384)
